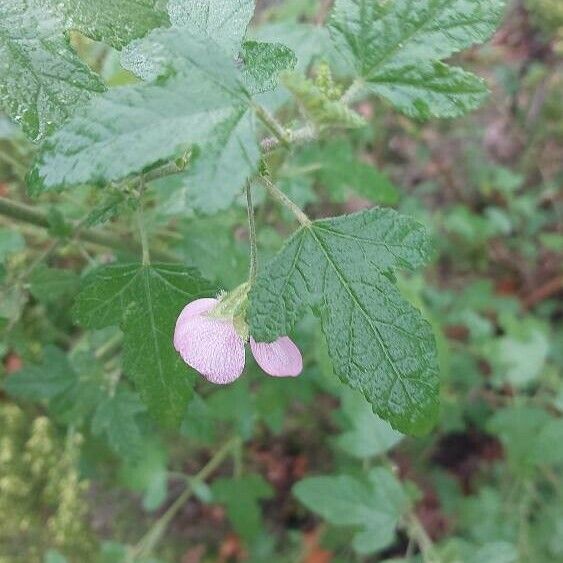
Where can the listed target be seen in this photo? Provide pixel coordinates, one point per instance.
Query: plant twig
(37, 218)
(251, 235)
(297, 137)
(150, 540)
(280, 133)
(278, 195)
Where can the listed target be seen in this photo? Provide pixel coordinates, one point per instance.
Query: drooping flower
(213, 347)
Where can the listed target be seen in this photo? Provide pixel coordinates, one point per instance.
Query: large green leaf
(42, 79)
(146, 122)
(225, 20)
(374, 507)
(145, 301)
(396, 49)
(379, 343)
(203, 102)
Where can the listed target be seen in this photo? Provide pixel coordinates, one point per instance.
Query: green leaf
(396, 48)
(145, 301)
(115, 417)
(50, 284)
(219, 172)
(339, 170)
(263, 62)
(241, 496)
(378, 342)
(42, 79)
(53, 376)
(203, 103)
(115, 22)
(225, 20)
(370, 435)
(373, 507)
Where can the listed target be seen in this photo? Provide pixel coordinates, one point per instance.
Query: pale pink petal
(191, 310)
(211, 346)
(281, 358)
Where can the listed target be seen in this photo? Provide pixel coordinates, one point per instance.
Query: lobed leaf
(145, 301)
(373, 507)
(342, 269)
(396, 47)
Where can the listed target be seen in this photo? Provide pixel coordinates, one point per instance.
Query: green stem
(37, 218)
(150, 540)
(251, 235)
(145, 248)
(280, 133)
(278, 195)
(349, 97)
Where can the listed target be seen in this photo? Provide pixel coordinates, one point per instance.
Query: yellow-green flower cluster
(41, 494)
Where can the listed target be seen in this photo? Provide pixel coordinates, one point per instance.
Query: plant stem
(251, 235)
(37, 218)
(280, 133)
(355, 88)
(418, 533)
(150, 540)
(143, 234)
(296, 137)
(278, 195)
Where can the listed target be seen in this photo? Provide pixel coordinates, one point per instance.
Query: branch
(37, 218)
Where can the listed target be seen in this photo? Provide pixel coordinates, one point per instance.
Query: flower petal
(210, 346)
(192, 309)
(281, 358)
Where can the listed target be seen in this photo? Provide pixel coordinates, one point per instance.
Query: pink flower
(213, 347)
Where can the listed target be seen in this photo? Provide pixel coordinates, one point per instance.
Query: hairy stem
(38, 218)
(297, 137)
(278, 195)
(145, 248)
(251, 235)
(349, 97)
(280, 133)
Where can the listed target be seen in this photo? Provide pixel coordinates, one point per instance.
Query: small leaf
(241, 497)
(225, 20)
(340, 170)
(263, 62)
(373, 507)
(50, 378)
(378, 342)
(115, 417)
(396, 49)
(50, 284)
(145, 301)
(370, 435)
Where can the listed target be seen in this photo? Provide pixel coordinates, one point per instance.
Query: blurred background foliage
(301, 470)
